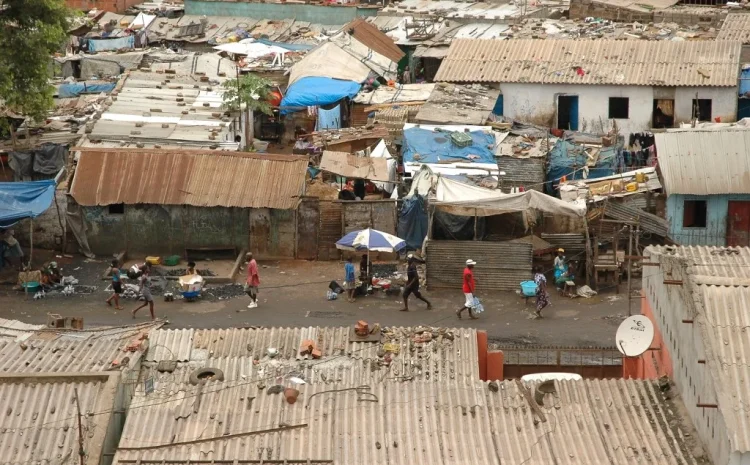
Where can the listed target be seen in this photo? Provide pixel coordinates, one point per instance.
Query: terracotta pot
(291, 394)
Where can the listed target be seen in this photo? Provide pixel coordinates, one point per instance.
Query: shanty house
(697, 299)
(170, 201)
(593, 85)
(705, 176)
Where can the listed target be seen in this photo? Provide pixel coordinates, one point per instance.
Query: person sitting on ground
(190, 269)
(51, 274)
(562, 270)
(365, 269)
(10, 249)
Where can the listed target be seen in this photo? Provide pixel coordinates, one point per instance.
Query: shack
(173, 201)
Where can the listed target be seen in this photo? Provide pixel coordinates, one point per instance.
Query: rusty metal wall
(363, 214)
(272, 233)
(308, 225)
(329, 230)
(500, 266)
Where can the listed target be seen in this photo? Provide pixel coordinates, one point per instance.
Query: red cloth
(469, 283)
(252, 274)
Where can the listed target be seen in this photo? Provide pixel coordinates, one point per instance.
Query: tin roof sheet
(454, 423)
(684, 156)
(40, 420)
(613, 62)
(342, 361)
(371, 36)
(718, 279)
(736, 27)
(185, 177)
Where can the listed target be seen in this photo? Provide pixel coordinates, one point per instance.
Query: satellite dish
(634, 336)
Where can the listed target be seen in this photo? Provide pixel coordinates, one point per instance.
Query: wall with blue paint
(717, 210)
(329, 15)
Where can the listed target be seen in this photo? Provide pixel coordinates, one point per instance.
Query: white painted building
(589, 85)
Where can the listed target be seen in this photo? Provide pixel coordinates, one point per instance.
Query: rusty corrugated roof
(589, 422)
(187, 177)
(371, 36)
(613, 62)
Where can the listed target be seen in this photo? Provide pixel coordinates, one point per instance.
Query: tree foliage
(252, 91)
(30, 32)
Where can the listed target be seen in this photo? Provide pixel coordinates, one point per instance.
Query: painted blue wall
(328, 15)
(717, 209)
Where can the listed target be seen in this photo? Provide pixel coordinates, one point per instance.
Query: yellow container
(640, 177)
(632, 187)
(153, 260)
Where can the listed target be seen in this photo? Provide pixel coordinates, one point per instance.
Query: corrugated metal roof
(371, 36)
(704, 162)
(736, 27)
(342, 361)
(613, 62)
(40, 422)
(199, 178)
(616, 422)
(718, 279)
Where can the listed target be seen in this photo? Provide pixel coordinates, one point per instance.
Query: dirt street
(293, 293)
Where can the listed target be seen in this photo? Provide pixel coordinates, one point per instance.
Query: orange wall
(651, 364)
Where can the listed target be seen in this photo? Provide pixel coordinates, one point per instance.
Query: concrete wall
(331, 15)
(537, 103)
(670, 305)
(47, 226)
(717, 209)
(165, 230)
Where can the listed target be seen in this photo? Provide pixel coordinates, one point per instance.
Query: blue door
(498, 110)
(567, 112)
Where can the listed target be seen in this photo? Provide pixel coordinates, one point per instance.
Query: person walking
(542, 296)
(469, 287)
(253, 280)
(412, 283)
(114, 270)
(144, 288)
(349, 279)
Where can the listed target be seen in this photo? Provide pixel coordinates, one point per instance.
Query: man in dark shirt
(412, 283)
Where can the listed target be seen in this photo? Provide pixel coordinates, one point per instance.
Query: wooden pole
(630, 269)
(31, 240)
(81, 452)
(588, 251)
(475, 224)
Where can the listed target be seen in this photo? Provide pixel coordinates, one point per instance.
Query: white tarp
(250, 48)
(329, 60)
(381, 151)
(462, 199)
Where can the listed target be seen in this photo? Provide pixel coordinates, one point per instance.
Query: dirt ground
(293, 293)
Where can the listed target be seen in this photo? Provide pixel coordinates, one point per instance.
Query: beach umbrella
(371, 240)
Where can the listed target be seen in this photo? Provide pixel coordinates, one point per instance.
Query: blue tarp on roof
(102, 45)
(436, 147)
(316, 91)
(74, 89)
(21, 200)
(568, 159)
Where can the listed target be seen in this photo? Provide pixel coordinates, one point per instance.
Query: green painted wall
(329, 15)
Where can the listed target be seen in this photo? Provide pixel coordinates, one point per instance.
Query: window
(702, 109)
(618, 107)
(117, 209)
(694, 214)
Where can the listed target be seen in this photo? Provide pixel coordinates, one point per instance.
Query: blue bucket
(528, 288)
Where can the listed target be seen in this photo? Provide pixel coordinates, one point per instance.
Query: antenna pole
(81, 453)
(630, 268)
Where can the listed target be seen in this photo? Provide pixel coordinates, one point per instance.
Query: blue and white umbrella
(370, 240)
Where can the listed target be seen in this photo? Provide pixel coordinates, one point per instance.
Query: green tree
(30, 31)
(249, 92)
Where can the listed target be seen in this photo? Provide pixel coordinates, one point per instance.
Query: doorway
(567, 112)
(738, 224)
(663, 114)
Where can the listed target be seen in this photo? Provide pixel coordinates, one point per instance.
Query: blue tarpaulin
(21, 200)
(329, 119)
(568, 159)
(100, 45)
(436, 147)
(74, 89)
(292, 47)
(316, 91)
